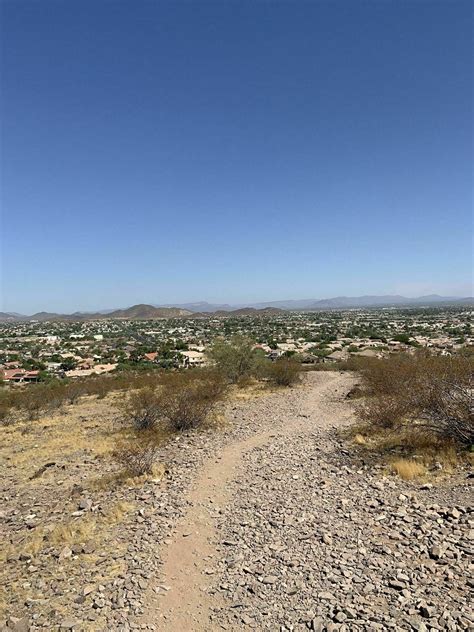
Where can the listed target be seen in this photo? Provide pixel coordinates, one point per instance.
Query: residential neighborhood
(38, 351)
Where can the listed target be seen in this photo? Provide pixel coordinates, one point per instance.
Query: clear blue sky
(234, 151)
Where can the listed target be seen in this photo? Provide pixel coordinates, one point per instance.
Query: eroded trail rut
(284, 532)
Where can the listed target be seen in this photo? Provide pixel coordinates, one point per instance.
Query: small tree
(237, 358)
(68, 364)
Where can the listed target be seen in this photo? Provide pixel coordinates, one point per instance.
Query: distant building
(15, 376)
(193, 358)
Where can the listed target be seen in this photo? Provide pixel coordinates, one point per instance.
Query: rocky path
(285, 532)
(188, 562)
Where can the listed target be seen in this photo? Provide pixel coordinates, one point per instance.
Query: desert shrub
(5, 407)
(237, 358)
(143, 408)
(33, 400)
(73, 390)
(446, 409)
(54, 395)
(433, 393)
(187, 399)
(136, 457)
(37, 399)
(386, 376)
(284, 371)
(383, 410)
(100, 387)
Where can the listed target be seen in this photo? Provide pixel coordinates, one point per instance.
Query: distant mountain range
(204, 309)
(339, 302)
(136, 312)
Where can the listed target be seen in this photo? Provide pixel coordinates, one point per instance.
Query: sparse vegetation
(433, 394)
(407, 469)
(417, 411)
(237, 359)
(136, 457)
(284, 371)
(182, 401)
(187, 399)
(142, 407)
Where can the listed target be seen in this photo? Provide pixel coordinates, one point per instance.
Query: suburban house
(337, 356)
(193, 358)
(19, 375)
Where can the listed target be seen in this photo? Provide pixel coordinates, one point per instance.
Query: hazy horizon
(233, 152)
(235, 304)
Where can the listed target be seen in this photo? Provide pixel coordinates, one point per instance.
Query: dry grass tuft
(117, 512)
(408, 470)
(73, 532)
(90, 528)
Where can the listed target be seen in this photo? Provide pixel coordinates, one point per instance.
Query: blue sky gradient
(234, 151)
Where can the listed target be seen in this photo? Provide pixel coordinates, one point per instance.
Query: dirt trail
(181, 601)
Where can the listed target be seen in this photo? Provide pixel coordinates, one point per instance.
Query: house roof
(151, 356)
(8, 374)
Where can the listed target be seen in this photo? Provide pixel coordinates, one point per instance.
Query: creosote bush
(5, 408)
(187, 399)
(136, 457)
(432, 394)
(284, 371)
(142, 407)
(237, 359)
(182, 401)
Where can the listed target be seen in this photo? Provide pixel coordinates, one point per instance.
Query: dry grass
(438, 457)
(88, 428)
(93, 528)
(250, 390)
(360, 439)
(73, 532)
(117, 512)
(77, 440)
(408, 470)
(123, 478)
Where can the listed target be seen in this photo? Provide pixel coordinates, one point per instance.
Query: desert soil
(273, 522)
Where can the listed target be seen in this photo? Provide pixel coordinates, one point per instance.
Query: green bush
(284, 371)
(237, 359)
